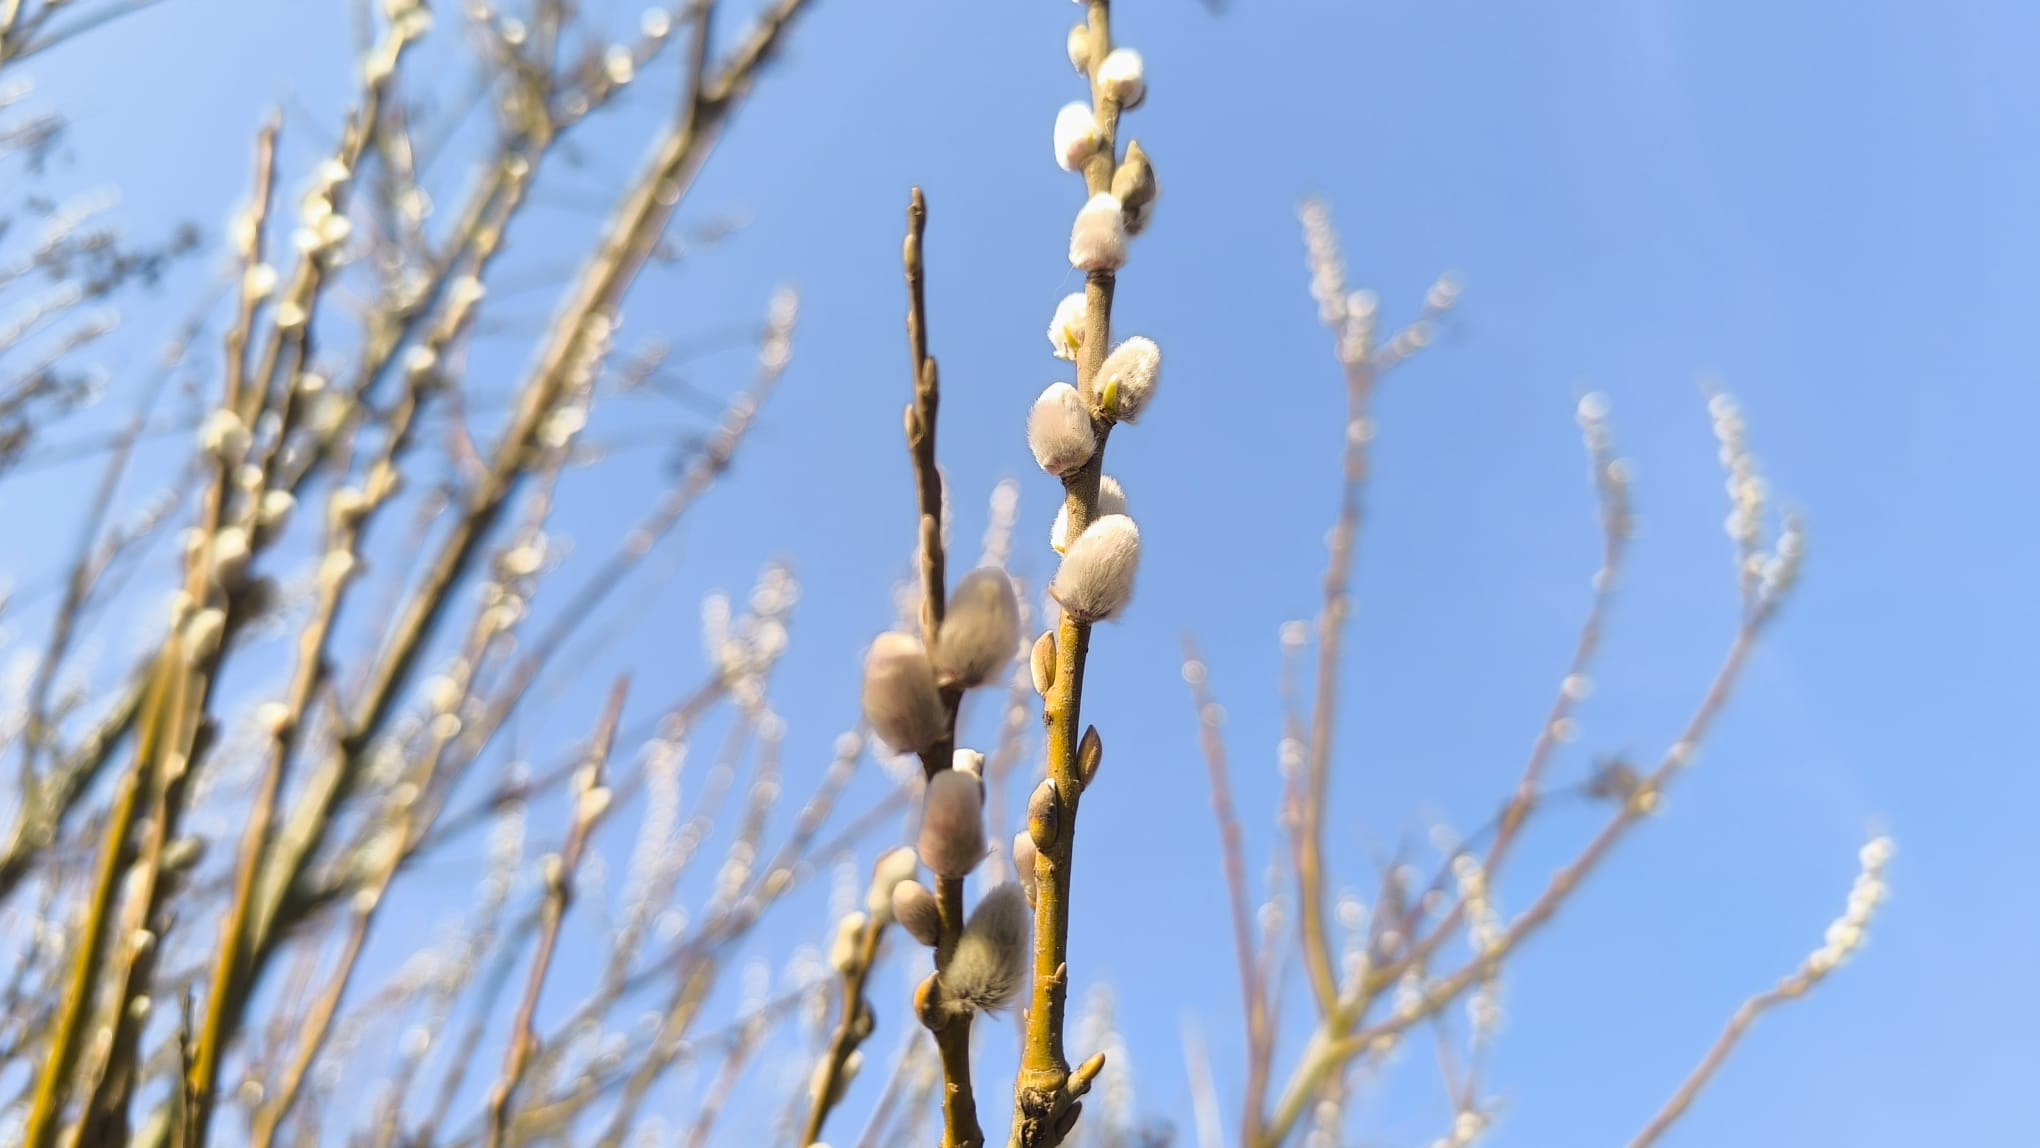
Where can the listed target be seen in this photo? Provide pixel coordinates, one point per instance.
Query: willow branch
(591, 800)
(951, 1026)
(575, 342)
(854, 1023)
(1253, 992)
(1046, 1090)
(1336, 1042)
(46, 1113)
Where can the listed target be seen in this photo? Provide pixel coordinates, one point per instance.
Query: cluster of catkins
(1095, 581)
(910, 697)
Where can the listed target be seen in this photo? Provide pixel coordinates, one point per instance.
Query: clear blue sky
(1827, 208)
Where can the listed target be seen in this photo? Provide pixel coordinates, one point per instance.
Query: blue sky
(1824, 208)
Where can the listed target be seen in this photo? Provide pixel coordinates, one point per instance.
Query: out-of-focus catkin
(980, 631)
(990, 962)
(901, 700)
(953, 824)
(913, 906)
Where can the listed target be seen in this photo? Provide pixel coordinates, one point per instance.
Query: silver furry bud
(901, 700)
(980, 631)
(990, 962)
(953, 824)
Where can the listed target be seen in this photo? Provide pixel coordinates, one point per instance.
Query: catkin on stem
(1076, 135)
(1096, 579)
(980, 631)
(1122, 77)
(953, 824)
(1059, 430)
(914, 907)
(901, 700)
(1066, 329)
(990, 962)
(1098, 237)
(1127, 379)
(1111, 500)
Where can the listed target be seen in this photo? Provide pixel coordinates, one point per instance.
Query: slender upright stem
(1046, 1090)
(588, 809)
(951, 1026)
(853, 1024)
(1253, 991)
(165, 695)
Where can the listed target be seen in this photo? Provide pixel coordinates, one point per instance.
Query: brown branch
(574, 345)
(854, 1023)
(724, 1087)
(1336, 1045)
(1724, 1044)
(951, 1026)
(165, 696)
(1843, 938)
(1253, 992)
(591, 801)
(1354, 337)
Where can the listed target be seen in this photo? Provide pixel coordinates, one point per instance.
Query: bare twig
(1253, 991)
(591, 800)
(1843, 937)
(951, 1026)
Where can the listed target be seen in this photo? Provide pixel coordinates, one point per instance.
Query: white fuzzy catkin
(843, 950)
(1059, 430)
(1111, 500)
(913, 906)
(1076, 135)
(953, 824)
(980, 631)
(224, 436)
(1132, 370)
(1122, 77)
(1098, 237)
(1096, 578)
(1066, 330)
(230, 555)
(990, 962)
(847, 1073)
(894, 867)
(273, 512)
(901, 700)
(969, 761)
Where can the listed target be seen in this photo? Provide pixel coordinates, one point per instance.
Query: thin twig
(591, 800)
(951, 1026)
(1331, 1049)
(854, 1023)
(165, 694)
(1253, 992)
(1046, 1089)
